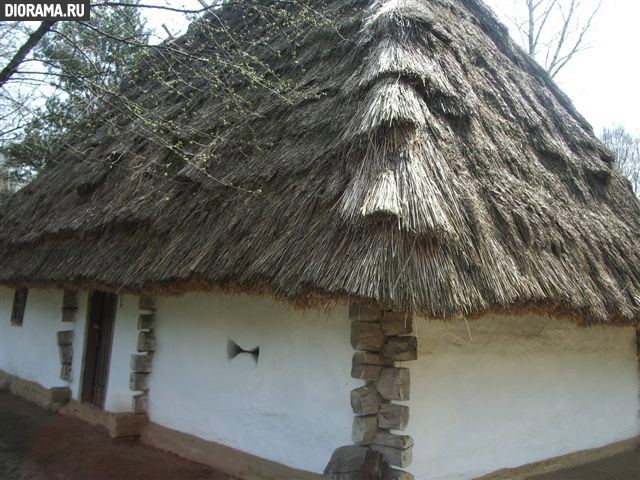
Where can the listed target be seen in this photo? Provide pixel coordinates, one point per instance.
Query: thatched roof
(437, 169)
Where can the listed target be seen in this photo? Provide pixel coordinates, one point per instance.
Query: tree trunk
(24, 50)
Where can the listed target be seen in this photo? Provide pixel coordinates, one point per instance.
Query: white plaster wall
(291, 407)
(125, 341)
(30, 351)
(503, 392)
(79, 328)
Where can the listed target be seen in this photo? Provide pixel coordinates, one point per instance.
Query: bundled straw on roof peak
(384, 15)
(390, 102)
(390, 58)
(408, 179)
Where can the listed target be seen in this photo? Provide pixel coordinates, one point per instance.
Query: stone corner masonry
(142, 361)
(381, 338)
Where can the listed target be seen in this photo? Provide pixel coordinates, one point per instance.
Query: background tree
(85, 63)
(626, 147)
(13, 100)
(68, 67)
(552, 31)
(6, 181)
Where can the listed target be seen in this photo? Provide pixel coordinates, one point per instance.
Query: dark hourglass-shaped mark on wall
(233, 350)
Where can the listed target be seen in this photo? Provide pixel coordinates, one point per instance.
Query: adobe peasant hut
(394, 269)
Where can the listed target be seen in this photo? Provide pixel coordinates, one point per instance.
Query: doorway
(102, 309)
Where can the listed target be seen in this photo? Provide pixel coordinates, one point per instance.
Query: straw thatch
(437, 169)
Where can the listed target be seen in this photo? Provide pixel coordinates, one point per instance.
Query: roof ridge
(400, 175)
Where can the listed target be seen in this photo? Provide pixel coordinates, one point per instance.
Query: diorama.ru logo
(46, 11)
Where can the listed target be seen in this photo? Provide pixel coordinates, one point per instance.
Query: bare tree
(24, 50)
(627, 150)
(7, 183)
(553, 31)
(210, 62)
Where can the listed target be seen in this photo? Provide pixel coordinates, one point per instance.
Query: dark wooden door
(102, 309)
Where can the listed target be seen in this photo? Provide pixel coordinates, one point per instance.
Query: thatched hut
(437, 201)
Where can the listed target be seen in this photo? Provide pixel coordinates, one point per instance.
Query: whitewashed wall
(125, 338)
(496, 392)
(79, 338)
(291, 407)
(503, 392)
(30, 351)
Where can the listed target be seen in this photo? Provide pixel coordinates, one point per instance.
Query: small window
(19, 302)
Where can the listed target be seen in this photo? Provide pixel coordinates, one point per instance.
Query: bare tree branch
(554, 31)
(77, 79)
(24, 50)
(153, 7)
(558, 63)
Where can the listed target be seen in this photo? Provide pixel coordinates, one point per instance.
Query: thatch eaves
(438, 169)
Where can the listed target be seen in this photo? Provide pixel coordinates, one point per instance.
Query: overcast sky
(603, 81)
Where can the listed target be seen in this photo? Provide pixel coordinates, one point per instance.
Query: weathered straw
(438, 169)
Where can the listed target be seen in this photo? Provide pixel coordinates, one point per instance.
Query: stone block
(69, 314)
(65, 337)
(388, 439)
(394, 384)
(141, 363)
(138, 382)
(66, 354)
(350, 459)
(366, 336)
(392, 416)
(145, 302)
(395, 456)
(395, 474)
(70, 298)
(146, 342)
(146, 321)
(60, 394)
(369, 373)
(365, 400)
(359, 312)
(364, 429)
(397, 323)
(140, 403)
(126, 424)
(369, 358)
(356, 463)
(65, 372)
(401, 349)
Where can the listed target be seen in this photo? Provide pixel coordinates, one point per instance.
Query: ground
(624, 466)
(38, 445)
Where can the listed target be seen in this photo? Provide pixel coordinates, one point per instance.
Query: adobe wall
(125, 336)
(486, 395)
(507, 391)
(32, 351)
(291, 406)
